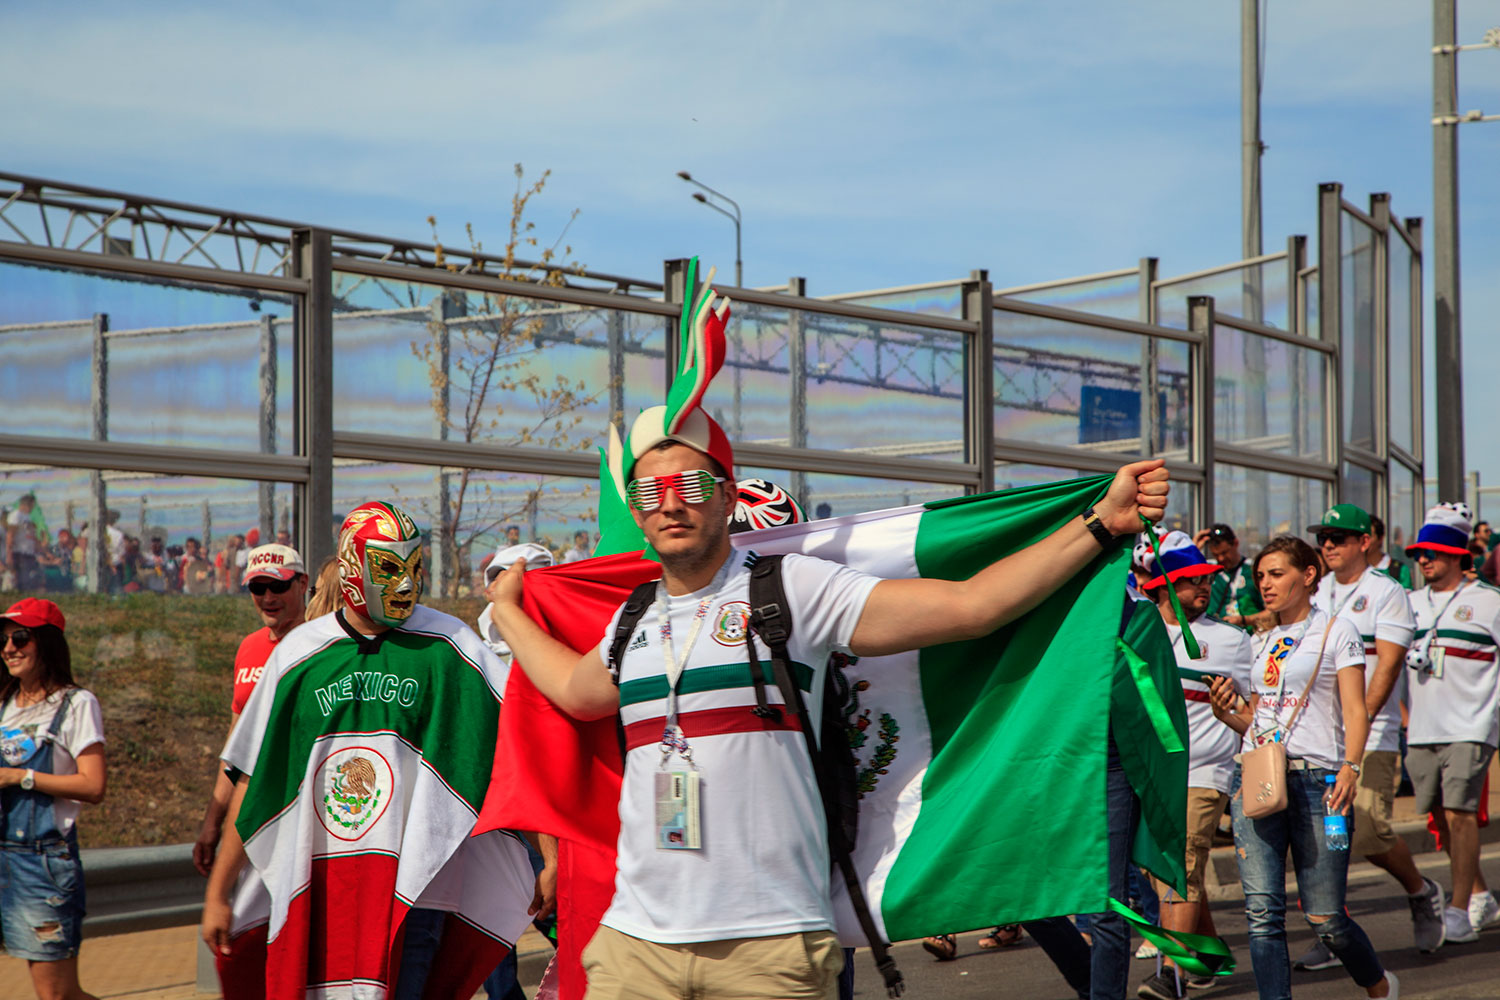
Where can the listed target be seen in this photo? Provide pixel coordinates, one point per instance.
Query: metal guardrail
(132, 889)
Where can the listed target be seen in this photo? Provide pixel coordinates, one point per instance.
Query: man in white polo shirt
(1455, 696)
(1211, 744)
(1376, 605)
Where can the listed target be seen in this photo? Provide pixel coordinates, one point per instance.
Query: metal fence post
(1151, 436)
(979, 377)
(797, 372)
(674, 290)
(615, 323)
(1296, 261)
(267, 491)
(1331, 316)
(444, 532)
(98, 557)
(1448, 328)
(1418, 358)
(1201, 322)
(312, 259)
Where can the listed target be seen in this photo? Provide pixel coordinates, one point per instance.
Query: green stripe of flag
(1018, 722)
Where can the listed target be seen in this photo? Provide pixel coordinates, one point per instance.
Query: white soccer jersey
(763, 865)
(1211, 744)
(1282, 667)
(1376, 605)
(1457, 700)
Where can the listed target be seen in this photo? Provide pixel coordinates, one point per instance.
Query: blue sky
(869, 144)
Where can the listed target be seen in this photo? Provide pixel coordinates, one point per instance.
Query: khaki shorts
(781, 967)
(1204, 807)
(1448, 775)
(1374, 796)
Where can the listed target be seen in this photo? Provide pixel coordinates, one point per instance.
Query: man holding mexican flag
(723, 884)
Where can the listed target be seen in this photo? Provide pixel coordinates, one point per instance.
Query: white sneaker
(1456, 923)
(1483, 910)
(1147, 950)
(1395, 993)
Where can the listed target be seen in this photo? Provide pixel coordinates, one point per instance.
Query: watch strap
(1097, 529)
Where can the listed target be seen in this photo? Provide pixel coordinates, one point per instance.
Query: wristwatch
(1352, 766)
(1096, 528)
(28, 780)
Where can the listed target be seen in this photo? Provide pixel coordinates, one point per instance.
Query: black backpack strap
(630, 616)
(770, 615)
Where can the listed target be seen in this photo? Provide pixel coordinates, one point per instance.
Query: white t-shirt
(1462, 704)
(24, 542)
(82, 727)
(1376, 605)
(1319, 733)
(763, 868)
(1211, 744)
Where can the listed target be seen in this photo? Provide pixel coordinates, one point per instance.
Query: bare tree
(481, 356)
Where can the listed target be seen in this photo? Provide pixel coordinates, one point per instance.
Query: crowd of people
(1366, 671)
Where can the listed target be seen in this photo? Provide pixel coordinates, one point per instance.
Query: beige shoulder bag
(1263, 769)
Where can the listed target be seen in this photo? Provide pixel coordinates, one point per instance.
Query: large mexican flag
(982, 762)
(368, 762)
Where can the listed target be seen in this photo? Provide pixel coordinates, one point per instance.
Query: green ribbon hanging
(1156, 709)
(1189, 643)
(1196, 953)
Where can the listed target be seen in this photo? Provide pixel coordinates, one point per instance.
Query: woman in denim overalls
(51, 765)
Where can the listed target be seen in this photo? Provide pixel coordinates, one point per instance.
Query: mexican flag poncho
(368, 762)
(973, 755)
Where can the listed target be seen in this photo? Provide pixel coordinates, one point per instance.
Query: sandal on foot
(1006, 936)
(944, 947)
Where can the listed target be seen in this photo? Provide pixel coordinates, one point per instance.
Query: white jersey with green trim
(763, 867)
(1211, 744)
(1377, 607)
(1458, 701)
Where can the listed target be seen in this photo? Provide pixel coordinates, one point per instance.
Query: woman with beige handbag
(1304, 723)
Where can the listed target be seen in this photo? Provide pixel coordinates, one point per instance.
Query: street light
(739, 269)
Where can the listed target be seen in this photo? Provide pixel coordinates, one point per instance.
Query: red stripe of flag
(1192, 694)
(710, 722)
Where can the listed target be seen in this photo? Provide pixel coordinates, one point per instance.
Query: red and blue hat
(1180, 559)
(1446, 529)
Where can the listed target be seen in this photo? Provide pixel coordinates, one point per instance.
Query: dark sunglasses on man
(261, 586)
(20, 638)
(1333, 537)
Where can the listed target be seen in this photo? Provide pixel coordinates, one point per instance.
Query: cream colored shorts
(782, 967)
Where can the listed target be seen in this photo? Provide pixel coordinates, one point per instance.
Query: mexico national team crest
(1360, 603)
(1464, 613)
(730, 623)
(357, 786)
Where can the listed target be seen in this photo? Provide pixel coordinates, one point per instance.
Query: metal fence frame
(304, 259)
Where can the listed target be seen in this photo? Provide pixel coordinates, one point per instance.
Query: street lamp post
(739, 269)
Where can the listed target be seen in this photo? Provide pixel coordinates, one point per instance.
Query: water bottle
(1335, 824)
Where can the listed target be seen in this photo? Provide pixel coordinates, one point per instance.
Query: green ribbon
(1156, 709)
(1196, 953)
(1188, 642)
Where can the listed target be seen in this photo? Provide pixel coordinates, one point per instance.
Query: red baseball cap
(34, 611)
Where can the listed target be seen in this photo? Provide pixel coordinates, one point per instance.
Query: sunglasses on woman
(261, 586)
(20, 638)
(648, 492)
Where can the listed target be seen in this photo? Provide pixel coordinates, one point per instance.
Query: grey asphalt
(1459, 972)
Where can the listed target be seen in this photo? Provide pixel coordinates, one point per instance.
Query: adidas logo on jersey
(639, 642)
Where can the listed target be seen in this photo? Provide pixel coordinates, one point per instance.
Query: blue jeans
(1262, 846)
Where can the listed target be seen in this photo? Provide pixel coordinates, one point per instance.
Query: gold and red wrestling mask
(380, 563)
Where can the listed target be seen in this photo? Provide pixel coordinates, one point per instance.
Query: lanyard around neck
(674, 665)
(1432, 632)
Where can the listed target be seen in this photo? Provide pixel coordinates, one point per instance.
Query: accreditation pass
(678, 809)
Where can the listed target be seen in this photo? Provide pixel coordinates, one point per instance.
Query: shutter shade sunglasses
(647, 493)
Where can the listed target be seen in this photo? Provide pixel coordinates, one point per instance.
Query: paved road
(1459, 972)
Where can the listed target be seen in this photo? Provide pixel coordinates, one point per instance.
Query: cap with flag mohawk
(700, 355)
